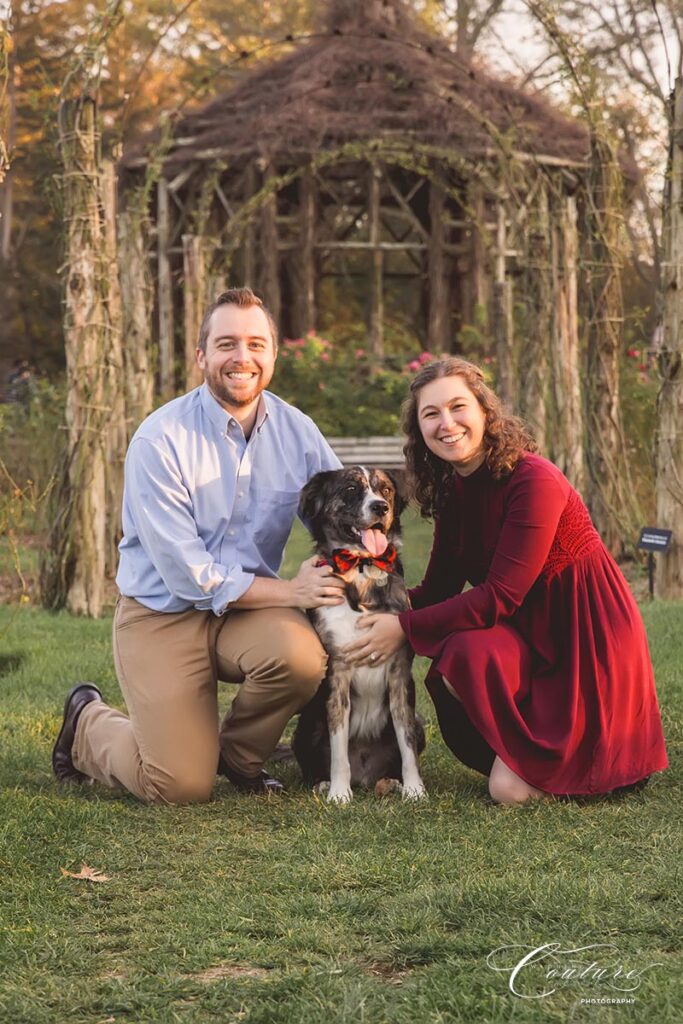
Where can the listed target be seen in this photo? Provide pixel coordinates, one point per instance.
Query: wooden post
(269, 250)
(437, 339)
(307, 214)
(604, 453)
(533, 370)
(116, 436)
(194, 294)
(564, 342)
(250, 276)
(74, 571)
(670, 403)
(136, 300)
(165, 294)
(477, 206)
(502, 314)
(377, 270)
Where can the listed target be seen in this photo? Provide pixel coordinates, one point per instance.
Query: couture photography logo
(597, 971)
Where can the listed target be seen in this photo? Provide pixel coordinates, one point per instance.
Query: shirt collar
(221, 418)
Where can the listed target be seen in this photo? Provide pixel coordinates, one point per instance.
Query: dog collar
(344, 560)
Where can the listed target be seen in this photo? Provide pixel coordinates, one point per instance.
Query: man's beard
(223, 392)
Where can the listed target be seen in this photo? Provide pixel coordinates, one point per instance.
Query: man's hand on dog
(316, 586)
(382, 637)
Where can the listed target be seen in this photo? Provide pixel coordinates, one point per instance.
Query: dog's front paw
(321, 788)
(339, 793)
(414, 790)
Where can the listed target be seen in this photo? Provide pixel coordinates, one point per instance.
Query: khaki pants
(168, 665)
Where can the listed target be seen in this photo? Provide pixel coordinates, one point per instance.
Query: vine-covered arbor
(370, 155)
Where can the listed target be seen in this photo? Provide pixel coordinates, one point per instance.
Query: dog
(361, 727)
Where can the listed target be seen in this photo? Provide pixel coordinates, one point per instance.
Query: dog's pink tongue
(374, 541)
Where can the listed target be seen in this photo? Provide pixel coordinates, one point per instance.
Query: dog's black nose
(379, 508)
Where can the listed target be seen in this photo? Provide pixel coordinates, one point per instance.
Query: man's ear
(313, 496)
(200, 355)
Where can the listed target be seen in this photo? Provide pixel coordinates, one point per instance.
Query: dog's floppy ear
(313, 496)
(400, 502)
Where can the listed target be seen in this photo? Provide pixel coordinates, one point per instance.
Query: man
(212, 482)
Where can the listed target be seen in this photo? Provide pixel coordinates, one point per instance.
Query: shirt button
(240, 494)
(231, 533)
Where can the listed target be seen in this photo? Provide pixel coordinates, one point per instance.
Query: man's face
(240, 355)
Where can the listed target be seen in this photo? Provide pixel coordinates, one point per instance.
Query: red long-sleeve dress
(547, 652)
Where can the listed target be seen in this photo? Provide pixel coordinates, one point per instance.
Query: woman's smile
(452, 423)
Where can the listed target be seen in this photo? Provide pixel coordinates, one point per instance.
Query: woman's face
(452, 423)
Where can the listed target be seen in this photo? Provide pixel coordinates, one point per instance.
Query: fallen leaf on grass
(86, 873)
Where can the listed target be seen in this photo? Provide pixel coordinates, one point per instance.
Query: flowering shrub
(340, 389)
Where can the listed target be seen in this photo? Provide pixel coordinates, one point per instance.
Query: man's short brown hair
(245, 299)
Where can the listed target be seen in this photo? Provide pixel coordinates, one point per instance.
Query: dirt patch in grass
(389, 973)
(221, 971)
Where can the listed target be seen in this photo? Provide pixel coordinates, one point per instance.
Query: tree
(670, 403)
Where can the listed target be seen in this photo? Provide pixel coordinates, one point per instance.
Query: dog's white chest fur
(369, 712)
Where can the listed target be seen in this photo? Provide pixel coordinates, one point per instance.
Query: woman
(541, 675)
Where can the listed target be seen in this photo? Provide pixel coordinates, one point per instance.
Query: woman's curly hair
(505, 437)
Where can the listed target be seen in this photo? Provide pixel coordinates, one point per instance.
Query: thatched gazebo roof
(370, 73)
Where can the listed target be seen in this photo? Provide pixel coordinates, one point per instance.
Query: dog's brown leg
(338, 716)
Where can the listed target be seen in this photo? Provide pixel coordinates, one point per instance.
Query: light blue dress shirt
(204, 509)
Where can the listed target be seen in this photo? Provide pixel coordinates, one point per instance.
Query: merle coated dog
(361, 727)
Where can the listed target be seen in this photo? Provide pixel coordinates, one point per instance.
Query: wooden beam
(164, 295)
(307, 208)
(270, 277)
(194, 279)
(377, 266)
(437, 325)
(249, 246)
(502, 316)
(533, 349)
(564, 341)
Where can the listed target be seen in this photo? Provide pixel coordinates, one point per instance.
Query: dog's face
(356, 507)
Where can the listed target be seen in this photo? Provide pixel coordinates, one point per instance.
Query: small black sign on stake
(653, 539)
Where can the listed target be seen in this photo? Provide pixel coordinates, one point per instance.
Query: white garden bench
(384, 452)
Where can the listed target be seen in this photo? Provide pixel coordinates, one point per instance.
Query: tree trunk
(605, 459)
(78, 553)
(116, 436)
(670, 399)
(6, 149)
(564, 341)
(136, 301)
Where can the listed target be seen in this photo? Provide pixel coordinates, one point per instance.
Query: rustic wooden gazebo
(370, 153)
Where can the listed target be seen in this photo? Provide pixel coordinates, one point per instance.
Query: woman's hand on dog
(382, 637)
(316, 586)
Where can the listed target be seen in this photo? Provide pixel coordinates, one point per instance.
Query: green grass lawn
(267, 911)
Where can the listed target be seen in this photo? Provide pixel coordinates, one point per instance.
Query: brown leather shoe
(76, 699)
(261, 783)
